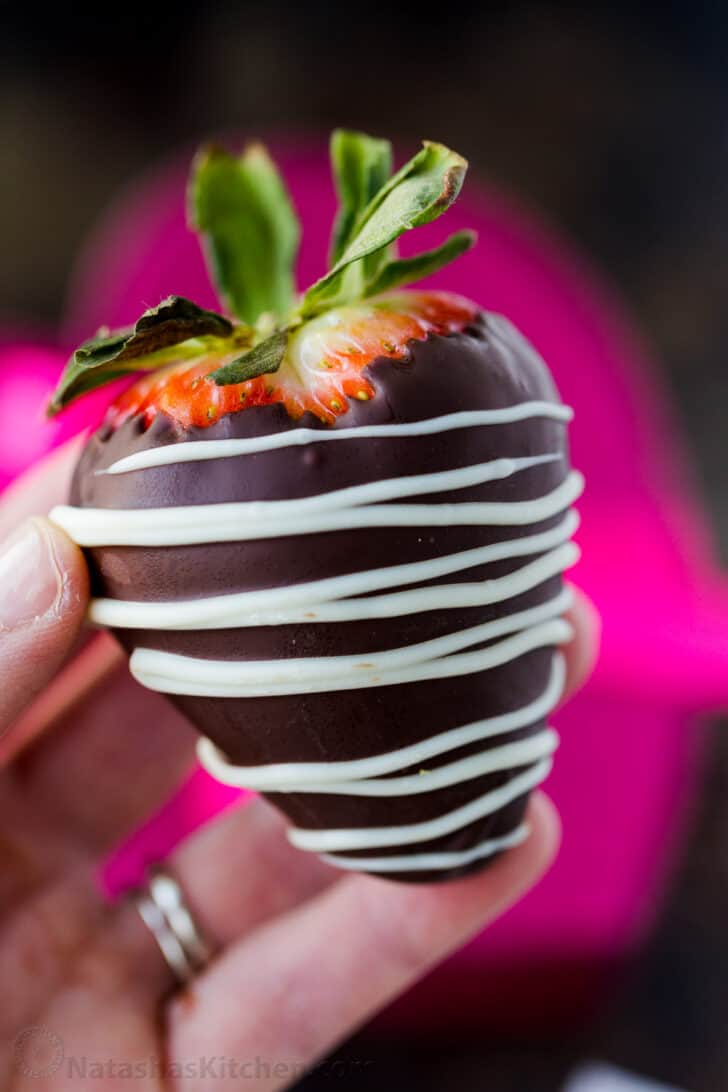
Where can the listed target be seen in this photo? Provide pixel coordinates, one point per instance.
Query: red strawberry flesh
(323, 367)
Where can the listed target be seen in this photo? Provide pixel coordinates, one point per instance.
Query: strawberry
(331, 527)
(321, 371)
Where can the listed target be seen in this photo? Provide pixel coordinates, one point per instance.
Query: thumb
(43, 597)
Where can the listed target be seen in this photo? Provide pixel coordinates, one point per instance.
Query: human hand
(304, 954)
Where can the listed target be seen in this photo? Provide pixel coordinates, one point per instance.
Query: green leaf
(361, 165)
(405, 270)
(264, 359)
(418, 193)
(250, 234)
(144, 346)
(250, 230)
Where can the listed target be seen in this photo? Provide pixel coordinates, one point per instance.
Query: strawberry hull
(484, 367)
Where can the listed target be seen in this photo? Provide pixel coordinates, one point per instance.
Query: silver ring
(163, 910)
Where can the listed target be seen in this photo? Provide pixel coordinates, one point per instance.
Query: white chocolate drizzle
(350, 598)
(522, 752)
(319, 601)
(300, 776)
(537, 627)
(198, 450)
(430, 862)
(331, 841)
(249, 520)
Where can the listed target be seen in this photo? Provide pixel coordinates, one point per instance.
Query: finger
(36, 491)
(582, 651)
(102, 771)
(127, 743)
(73, 986)
(99, 715)
(43, 594)
(236, 873)
(242, 870)
(89, 669)
(101, 733)
(104, 972)
(43, 597)
(289, 991)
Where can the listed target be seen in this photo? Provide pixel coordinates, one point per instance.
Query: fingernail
(32, 582)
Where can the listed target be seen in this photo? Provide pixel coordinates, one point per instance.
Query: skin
(304, 954)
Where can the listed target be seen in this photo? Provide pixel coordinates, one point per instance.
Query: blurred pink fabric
(630, 742)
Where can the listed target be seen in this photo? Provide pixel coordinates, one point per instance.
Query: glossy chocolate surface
(489, 365)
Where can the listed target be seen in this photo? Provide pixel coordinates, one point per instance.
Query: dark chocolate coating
(489, 365)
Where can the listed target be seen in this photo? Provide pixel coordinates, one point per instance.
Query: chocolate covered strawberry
(332, 527)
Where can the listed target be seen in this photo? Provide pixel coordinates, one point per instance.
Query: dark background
(612, 121)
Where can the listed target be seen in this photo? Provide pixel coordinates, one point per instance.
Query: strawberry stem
(249, 232)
